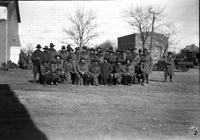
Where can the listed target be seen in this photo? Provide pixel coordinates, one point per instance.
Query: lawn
(158, 110)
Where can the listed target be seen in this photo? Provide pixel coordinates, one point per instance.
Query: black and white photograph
(99, 70)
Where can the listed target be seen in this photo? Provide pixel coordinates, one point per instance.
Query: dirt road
(156, 111)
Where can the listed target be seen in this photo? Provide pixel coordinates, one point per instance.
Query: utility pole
(152, 29)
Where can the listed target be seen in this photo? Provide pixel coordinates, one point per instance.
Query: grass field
(158, 110)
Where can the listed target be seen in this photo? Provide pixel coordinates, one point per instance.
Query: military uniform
(52, 53)
(146, 58)
(140, 72)
(94, 70)
(118, 72)
(59, 68)
(129, 72)
(105, 72)
(82, 69)
(169, 67)
(70, 71)
(36, 60)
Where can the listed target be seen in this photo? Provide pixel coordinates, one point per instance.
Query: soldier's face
(128, 61)
(95, 62)
(82, 60)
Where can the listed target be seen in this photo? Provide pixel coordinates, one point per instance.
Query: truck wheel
(183, 68)
(157, 67)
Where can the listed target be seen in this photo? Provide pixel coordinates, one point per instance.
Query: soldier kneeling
(59, 69)
(46, 76)
(94, 70)
(119, 72)
(130, 72)
(82, 69)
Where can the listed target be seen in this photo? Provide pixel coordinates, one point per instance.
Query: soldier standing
(63, 53)
(52, 53)
(36, 60)
(169, 67)
(46, 55)
(146, 58)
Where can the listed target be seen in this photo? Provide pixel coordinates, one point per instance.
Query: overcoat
(169, 66)
(36, 60)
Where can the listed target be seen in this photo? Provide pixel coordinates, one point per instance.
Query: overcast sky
(42, 21)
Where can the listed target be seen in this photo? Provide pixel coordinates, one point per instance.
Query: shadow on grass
(15, 121)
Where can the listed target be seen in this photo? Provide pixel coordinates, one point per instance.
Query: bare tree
(168, 29)
(143, 19)
(82, 29)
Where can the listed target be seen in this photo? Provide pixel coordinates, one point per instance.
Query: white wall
(14, 54)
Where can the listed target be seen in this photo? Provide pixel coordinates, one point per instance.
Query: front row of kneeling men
(94, 73)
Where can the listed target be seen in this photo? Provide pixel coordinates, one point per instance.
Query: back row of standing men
(91, 66)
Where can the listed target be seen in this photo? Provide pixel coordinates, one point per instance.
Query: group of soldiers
(91, 66)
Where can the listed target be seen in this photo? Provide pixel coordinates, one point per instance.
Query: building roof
(7, 2)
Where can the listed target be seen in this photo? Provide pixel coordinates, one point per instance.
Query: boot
(34, 78)
(147, 78)
(165, 79)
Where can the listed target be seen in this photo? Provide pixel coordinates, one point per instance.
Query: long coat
(82, 68)
(147, 63)
(36, 60)
(106, 70)
(169, 66)
(46, 57)
(53, 53)
(130, 69)
(94, 70)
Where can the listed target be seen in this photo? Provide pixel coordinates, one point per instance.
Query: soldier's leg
(143, 79)
(147, 78)
(68, 78)
(165, 77)
(34, 77)
(129, 80)
(170, 78)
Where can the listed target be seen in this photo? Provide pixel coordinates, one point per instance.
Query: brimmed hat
(51, 45)
(169, 53)
(84, 47)
(57, 55)
(63, 47)
(140, 50)
(128, 58)
(69, 48)
(77, 48)
(110, 51)
(95, 60)
(119, 50)
(92, 49)
(45, 48)
(98, 48)
(82, 58)
(38, 46)
(145, 49)
(69, 57)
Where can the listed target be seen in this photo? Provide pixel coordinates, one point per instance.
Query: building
(9, 38)
(159, 44)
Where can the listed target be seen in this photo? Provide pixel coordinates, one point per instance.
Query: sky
(42, 21)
